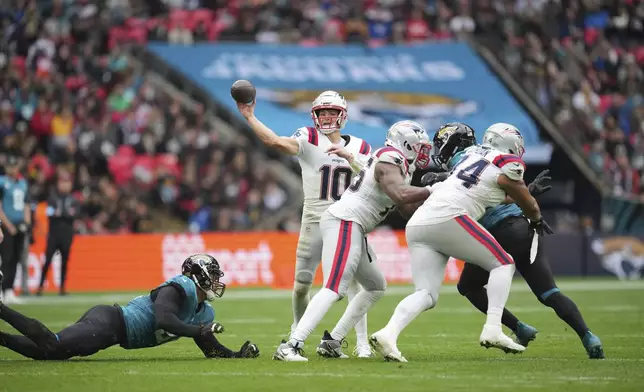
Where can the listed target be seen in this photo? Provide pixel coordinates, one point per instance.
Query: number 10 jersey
(471, 188)
(364, 202)
(324, 177)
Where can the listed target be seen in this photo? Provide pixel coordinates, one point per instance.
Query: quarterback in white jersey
(382, 185)
(324, 179)
(446, 225)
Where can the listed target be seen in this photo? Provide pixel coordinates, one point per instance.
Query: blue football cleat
(593, 346)
(525, 334)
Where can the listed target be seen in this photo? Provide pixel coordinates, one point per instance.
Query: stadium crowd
(585, 69)
(71, 102)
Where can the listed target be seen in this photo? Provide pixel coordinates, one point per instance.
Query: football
(243, 91)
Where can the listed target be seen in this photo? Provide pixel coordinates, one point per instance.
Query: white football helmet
(412, 140)
(329, 100)
(505, 138)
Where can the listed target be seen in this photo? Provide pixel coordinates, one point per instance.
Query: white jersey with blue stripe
(492, 215)
(471, 188)
(324, 177)
(364, 202)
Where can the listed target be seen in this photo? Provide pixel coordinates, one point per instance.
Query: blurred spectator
(585, 71)
(71, 100)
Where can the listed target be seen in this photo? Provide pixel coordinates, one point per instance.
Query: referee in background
(62, 210)
(15, 214)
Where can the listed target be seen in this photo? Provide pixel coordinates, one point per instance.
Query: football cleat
(331, 348)
(288, 353)
(525, 334)
(493, 336)
(386, 347)
(593, 346)
(363, 351)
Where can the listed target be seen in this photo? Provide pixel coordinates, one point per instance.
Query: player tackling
(382, 185)
(445, 225)
(324, 179)
(175, 309)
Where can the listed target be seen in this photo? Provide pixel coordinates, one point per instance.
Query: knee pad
(302, 289)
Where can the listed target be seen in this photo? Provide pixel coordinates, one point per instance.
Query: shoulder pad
(308, 134)
(365, 148)
(511, 165)
(392, 156)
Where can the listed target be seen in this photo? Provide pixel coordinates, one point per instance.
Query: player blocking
(381, 186)
(445, 225)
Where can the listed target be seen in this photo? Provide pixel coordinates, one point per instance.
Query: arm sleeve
(166, 306)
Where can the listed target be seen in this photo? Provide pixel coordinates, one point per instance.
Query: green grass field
(441, 346)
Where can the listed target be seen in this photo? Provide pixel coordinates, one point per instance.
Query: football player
(324, 178)
(511, 229)
(445, 225)
(175, 309)
(382, 185)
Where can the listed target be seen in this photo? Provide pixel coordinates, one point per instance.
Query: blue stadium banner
(430, 83)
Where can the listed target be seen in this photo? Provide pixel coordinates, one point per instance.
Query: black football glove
(541, 227)
(432, 178)
(248, 350)
(23, 228)
(538, 187)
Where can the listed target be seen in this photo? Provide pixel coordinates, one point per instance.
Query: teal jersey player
(177, 308)
(139, 315)
(14, 194)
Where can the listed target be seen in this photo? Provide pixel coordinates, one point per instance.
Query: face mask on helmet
(329, 112)
(423, 155)
(329, 120)
(205, 272)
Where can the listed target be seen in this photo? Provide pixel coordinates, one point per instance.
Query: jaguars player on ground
(175, 309)
(324, 179)
(380, 187)
(508, 225)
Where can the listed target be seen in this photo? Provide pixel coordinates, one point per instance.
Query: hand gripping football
(243, 91)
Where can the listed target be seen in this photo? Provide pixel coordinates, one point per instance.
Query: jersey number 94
(471, 174)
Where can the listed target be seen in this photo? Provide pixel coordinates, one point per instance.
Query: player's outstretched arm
(167, 303)
(518, 191)
(283, 144)
(392, 182)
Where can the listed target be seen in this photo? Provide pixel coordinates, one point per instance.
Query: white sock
(300, 301)
(498, 290)
(361, 325)
(355, 314)
(407, 310)
(319, 306)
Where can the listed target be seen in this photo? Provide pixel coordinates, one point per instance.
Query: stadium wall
(267, 259)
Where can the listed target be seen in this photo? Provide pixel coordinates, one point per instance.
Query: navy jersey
(140, 323)
(14, 198)
(492, 215)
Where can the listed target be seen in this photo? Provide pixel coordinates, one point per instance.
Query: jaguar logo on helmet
(204, 270)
